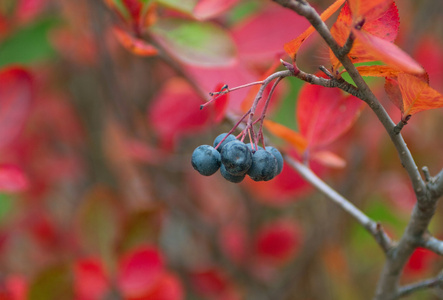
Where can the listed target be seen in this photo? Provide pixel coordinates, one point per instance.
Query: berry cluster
(236, 159)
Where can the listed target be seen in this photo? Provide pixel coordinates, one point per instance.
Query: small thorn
(201, 106)
(211, 94)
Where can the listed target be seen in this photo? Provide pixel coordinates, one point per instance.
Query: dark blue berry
(220, 137)
(236, 157)
(264, 166)
(278, 156)
(229, 177)
(206, 160)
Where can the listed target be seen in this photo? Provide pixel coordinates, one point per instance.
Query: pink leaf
(90, 280)
(258, 40)
(16, 96)
(139, 271)
(12, 179)
(27, 10)
(206, 9)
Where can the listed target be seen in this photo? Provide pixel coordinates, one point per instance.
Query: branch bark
(421, 285)
(427, 195)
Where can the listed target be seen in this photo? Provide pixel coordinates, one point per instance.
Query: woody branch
(427, 195)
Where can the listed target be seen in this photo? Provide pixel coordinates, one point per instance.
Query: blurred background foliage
(105, 204)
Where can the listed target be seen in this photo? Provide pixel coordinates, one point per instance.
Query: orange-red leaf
(417, 95)
(368, 9)
(292, 47)
(133, 44)
(378, 71)
(387, 52)
(383, 25)
(387, 71)
(329, 159)
(292, 137)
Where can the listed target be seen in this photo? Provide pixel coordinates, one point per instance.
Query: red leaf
(419, 262)
(324, 114)
(139, 271)
(16, 96)
(176, 112)
(278, 241)
(206, 9)
(90, 280)
(209, 282)
(134, 8)
(168, 287)
(12, 179)
(135, 45)
(220, 104)
(213, 283)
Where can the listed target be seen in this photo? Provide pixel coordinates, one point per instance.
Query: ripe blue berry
(236, 157)
(278, 156)
(229, 177)
(220, 137)
(264, 166)
(206, 160)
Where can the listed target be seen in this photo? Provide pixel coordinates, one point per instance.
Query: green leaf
(99, 222)
(184, 6)
(195, 43)
(28, 45)
(51, 284)
(6, 206)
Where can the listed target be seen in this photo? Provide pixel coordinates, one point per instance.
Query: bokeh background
(98, 199)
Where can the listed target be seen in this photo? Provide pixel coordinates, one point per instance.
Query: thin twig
(421, 285)
(431, 243)
(371, 226)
